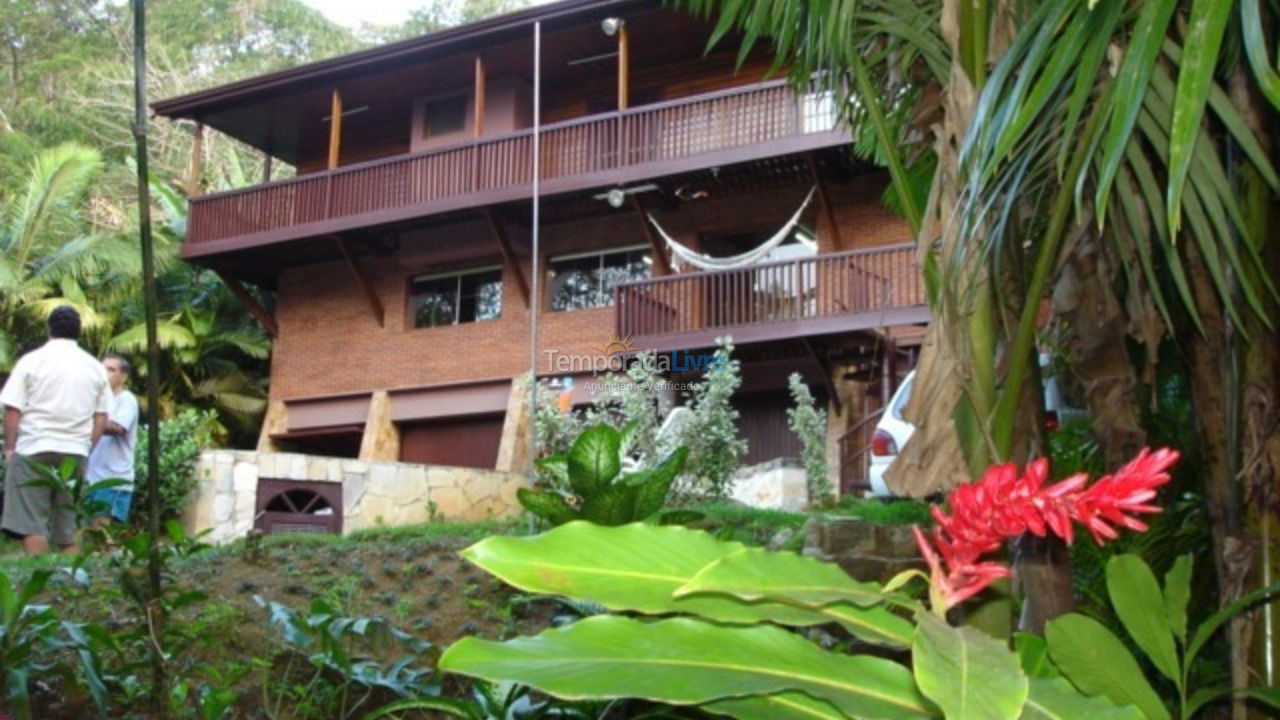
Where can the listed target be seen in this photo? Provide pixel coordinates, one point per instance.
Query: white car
(893, 431)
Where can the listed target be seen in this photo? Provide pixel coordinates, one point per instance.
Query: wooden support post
(267, 159)
(480, 92)
(825, 203)
(197, 157)
(362, 278)
(335, 129)
(827, 380)
(508, 255)
(251, 304)
(624, 72)
(660, 261)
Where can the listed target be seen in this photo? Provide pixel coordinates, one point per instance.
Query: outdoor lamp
(611, 26)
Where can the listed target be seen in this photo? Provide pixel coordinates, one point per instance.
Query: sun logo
(616, 346)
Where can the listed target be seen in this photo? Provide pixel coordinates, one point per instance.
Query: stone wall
(373, 493)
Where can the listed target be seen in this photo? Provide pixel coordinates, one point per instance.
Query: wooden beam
(480, 97)
(832, 396)
(197, 157)
(508, 256)
(825, 203)
(251, 304)
(660, 261)
(348, 253)
(624, 72)
(335, 128)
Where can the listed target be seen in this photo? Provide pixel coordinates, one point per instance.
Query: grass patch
(896, 511)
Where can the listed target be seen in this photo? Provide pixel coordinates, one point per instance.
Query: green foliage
(711, 434)
(896, 511)
(724, 646)
(598, 490)
(181, 440)
(810, 425)
(1154, 619)
(25, 630)
(337, 646)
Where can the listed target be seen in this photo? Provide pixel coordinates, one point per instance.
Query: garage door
(462, 442)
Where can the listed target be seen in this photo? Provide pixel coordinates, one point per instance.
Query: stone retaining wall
(374, 493)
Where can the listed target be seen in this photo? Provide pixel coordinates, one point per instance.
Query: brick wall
(330, 342)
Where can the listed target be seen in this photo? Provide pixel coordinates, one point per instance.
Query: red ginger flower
(1002, 505)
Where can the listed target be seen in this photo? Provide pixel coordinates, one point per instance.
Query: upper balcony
(693, 133)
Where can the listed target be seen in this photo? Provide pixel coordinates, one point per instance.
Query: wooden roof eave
(464, 38)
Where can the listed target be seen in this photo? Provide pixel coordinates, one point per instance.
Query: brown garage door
(463, 442)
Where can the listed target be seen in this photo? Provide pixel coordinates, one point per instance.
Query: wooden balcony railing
(791, 292)
(392, 188)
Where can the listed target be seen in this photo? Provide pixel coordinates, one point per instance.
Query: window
(587, 281)
(451, 299)
(442, 117)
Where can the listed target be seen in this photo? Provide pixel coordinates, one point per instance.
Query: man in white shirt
(55, 408)
(112, 457)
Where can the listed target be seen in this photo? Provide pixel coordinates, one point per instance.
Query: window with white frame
(587, 280)
(464, 297)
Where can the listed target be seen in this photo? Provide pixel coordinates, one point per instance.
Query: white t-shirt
(58, 388)
(112, 457)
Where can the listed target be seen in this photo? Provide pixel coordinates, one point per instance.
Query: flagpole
(535, 296)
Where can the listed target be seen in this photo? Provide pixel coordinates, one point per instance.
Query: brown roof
(454, 40)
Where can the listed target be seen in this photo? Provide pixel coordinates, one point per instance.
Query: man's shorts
(117, 502)
(39, 510)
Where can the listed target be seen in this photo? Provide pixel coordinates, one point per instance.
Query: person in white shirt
(55, 408)
(112, 457)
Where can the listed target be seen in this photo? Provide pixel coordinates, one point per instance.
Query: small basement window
(436, 300)
(587, 280)
(445, 116)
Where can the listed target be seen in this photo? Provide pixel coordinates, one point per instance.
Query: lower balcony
(821, 295)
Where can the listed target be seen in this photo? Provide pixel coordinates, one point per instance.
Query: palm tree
(213, 352)
(49, 251)
(1108, 155)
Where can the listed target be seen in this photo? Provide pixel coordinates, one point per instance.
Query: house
(399, 254)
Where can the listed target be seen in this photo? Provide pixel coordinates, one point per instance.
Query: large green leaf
(1205, 27)
(639, 567)
(1139, 603)
(1177, 593)
(1055, 699)
(611, 505)
(595, 459)
(656, 482)
(1097, 663)
(1033, 655)
(633, 567)
(547, 505)
(756, 574)
(786, 705)
(967, 673)
(685, 661)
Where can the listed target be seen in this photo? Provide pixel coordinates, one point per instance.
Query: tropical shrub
(181, 440)
(1155, 619)
(598, 491)
(711, 434)
(723, 650)
(810, 425)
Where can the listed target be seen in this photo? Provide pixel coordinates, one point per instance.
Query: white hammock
(754, 255)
